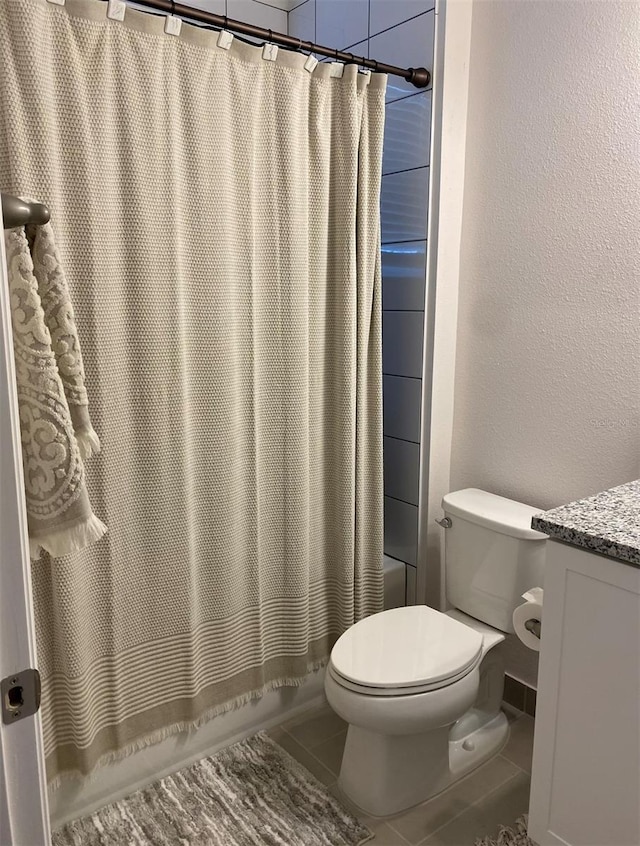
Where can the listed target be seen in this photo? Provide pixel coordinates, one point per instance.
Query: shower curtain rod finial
(420, 77)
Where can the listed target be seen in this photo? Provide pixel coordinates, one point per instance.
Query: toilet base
(385, 774)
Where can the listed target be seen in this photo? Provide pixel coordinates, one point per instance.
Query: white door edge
(24, 814)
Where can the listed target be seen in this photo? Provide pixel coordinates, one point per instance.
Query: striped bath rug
(516, 836)
(250, 793)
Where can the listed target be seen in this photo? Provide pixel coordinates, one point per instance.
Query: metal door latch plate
(20, 694)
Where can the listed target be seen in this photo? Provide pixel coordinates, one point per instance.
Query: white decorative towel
(54, 416)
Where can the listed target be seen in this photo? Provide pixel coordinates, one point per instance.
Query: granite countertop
(608, 523)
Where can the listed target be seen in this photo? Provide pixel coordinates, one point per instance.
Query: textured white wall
(547, 389)
(547, 400)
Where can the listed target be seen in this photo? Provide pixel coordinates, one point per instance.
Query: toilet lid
(404, 648)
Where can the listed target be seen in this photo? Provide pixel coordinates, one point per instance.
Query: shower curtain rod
(420, 77)
(17, 212)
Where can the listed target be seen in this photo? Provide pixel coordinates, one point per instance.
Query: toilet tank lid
(495, 512)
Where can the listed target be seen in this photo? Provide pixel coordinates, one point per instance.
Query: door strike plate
(20, 694)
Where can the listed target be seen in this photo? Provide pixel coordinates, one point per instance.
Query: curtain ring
(270, 36)
(173, 7)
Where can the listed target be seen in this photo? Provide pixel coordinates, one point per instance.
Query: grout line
(405, 502)
(472, 805)
(517, 766)
(414, 241)
(406, 241)
(406, 441)
(391, 100)
(403, 839)
(409, 96)
(400, 23)
(315, 757)
(407, 170)
(326, 740)
(271, 6)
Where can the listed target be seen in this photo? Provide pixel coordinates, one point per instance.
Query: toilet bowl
(401, 703)
(421, 689)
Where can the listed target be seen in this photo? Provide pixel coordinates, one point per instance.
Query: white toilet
(421, 689)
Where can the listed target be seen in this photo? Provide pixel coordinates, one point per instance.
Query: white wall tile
(395, 587)
(360, 49)
(257, 13)
(402, 404)
(341, 23)
(387, 13)
(404, 273)
(217, 7)
(407, 133)
(401, 470)
(409, 45)
(302, 21)
(404, 206)
(400, 530)
(402, 333)
(411, 579)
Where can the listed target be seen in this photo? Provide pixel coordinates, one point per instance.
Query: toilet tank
(492, 555)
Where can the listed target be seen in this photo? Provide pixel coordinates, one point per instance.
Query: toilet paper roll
(530, 612)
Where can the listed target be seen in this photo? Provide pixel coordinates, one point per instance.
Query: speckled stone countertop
(608, 523)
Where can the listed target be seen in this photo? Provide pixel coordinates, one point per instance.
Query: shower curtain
(217, 216)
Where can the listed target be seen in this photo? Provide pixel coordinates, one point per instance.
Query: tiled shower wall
(399, 32)
(251, 11)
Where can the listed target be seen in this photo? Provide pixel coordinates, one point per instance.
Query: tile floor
(495, 794)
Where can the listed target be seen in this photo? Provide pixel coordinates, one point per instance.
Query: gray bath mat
(516, 836)
(251, 794)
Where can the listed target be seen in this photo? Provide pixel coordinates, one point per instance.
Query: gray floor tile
(330, 752)
(302, 755)
(519, 749)
(419, 822)
(501, 807)
(317, 728)
(386, 836)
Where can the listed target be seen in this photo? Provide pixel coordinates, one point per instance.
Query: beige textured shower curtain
(217, 217)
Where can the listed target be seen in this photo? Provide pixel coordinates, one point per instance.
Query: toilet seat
(405, 651)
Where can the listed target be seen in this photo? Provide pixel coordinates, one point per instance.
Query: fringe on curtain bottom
(67, 539)
(189, 725)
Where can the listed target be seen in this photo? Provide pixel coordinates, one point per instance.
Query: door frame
(24, 811)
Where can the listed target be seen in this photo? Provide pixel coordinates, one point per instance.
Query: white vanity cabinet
(585, 787)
